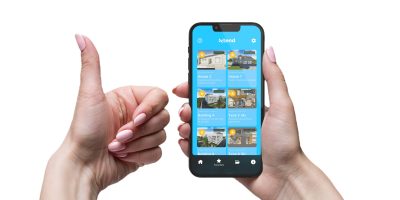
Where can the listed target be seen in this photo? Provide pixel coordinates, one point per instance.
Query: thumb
(277, 88)
(90, 72)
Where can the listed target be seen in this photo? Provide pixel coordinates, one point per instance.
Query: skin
(84, 165)
(287, 172)
(94, 155)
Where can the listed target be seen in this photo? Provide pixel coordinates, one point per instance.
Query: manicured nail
(116, 146)
(271, 54)
(124, 135)
(81, 41)
(174, 90)
(139, 119)
(122, 155)
(180, 141)
(181, 109)
(180, 125)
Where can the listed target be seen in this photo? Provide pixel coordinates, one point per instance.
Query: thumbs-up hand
(111, 135)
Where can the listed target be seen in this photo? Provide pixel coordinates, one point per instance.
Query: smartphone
(226, 93)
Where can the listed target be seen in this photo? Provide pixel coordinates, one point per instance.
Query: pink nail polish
(271, 54)
(124, 135)
(116, 146)
(81, 41)
(180, 110)
(180, 141)
(180, 125)
(139, 119)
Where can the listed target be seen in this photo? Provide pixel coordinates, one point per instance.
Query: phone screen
(226, 99)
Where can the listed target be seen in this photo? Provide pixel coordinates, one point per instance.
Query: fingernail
(180, 141)
(179, 126)
(81, 41)
(271, 54)
(174, 90)
(124, 135)
(116, 146)
(121, 155)
(181, 109)
(139, 119)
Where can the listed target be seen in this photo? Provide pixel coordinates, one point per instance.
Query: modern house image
(244, 62)
(211, 137)
(211, 98)
(244, 137)
(213, 61)
(243, 99)
(215, 137)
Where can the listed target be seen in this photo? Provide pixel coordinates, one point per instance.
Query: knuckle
(163, 95)
(284, 105)
(288, 105)
(166, 116)
(159, 138)
(163, 137)
(90, 96)
(89, 60)
(118, 100)
(157, 153)
(136, 157)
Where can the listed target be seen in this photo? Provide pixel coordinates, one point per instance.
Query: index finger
(277, 88)
(152, 103)
(182, 90)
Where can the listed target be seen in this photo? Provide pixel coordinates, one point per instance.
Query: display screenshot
(226, 91)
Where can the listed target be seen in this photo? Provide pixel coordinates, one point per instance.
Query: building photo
(242, 137)
(211, 98)
(242, 98)
(242, 60)
(211, 137)
(211, 60)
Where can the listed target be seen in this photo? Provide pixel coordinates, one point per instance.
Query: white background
(340, 59)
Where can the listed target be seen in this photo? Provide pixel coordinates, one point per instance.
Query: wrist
(307, 181)
(67, 177)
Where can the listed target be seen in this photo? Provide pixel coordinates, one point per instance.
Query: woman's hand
(287, 173)
(83, 165)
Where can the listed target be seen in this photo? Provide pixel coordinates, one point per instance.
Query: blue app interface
(226, 91)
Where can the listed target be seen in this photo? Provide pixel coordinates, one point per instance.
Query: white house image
(211, 98)
(215, 137)
(214, 61)
(231, 103)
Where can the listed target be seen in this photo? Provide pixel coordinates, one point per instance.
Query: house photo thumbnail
(211, 98)
(242, 60)
(211, 137)
(242, 98)
(211, 60)
(242, 137)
